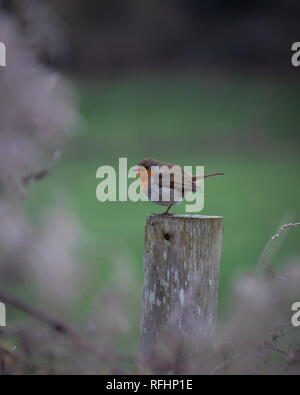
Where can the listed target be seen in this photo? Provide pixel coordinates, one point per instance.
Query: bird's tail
(197, 178)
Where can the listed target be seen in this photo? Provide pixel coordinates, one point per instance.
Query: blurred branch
(56, 325)
(290, 355)
(61, 328)
(35, 176)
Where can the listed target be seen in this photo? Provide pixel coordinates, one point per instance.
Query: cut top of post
(182, 216)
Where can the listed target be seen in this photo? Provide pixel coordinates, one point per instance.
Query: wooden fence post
(180, 282)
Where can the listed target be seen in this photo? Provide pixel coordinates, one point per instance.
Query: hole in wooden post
(166, 236)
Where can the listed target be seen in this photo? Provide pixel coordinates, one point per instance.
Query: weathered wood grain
(180, 281)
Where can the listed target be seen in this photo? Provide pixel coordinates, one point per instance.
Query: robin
(165, 183)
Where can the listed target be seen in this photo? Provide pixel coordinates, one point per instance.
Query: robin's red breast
(166, 183)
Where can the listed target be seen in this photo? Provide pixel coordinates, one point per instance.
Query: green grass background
(245, 127)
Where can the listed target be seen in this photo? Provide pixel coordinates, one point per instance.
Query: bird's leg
(167, 210)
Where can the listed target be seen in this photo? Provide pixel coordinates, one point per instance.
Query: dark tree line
(116, 36)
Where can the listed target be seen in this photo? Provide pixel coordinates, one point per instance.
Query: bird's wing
(176, 177)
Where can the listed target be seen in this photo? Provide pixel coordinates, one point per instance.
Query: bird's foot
(167, 214)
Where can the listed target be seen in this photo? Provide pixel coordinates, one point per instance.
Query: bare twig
(274, 237)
